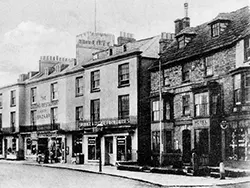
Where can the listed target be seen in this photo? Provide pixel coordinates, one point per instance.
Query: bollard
(222, 171)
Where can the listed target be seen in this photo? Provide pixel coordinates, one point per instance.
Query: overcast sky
(33, 28)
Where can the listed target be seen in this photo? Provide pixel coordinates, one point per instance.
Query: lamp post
(160, 115)
(99, 128)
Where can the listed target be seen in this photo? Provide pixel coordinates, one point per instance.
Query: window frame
(54, 115)
(1, 121)
(13, 98)
(208, 66)
(247, 48)
(95, 111)
(1, 100)
(238, 90)
(33, 117)
(79, 86)
(12, 119)
(186, 104)
(54, 91)
(201, 105)
(123, 71)
(95, 81)
(166, 81)
(33, 95)
(186, 70)
(123, 107)
(155, 110)
(79, 114)
(246, 88)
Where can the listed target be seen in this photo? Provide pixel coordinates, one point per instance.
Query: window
(77, 144)
(54, 115)
(123, 107)
(183, 40)
(93, 148)
(33, 95)
(155, 111)
(186, 105)
(13, 98)
(124, 47)
(110, 52)
(218, 28)
(168, 140)
(156, 141)
(167, 110)
(79, 86)
(1, 122)
(1, 146)
(54, 91)
(247, 48)
(237, 89)
(33, 117)
(247, 87)
(1, 100)
(123, 77)
(215, 29)
(186, 72)
(208, 66)
(214, 104)
(14, 144)
(79, 114)
(12, 119)
(166, 78)
(201, 104)
(95, 81)
(95, 110)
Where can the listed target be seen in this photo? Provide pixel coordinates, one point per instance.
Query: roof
(149, 47)
(203, 42)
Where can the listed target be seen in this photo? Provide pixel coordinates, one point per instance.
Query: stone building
(116, 97)
(204, 82)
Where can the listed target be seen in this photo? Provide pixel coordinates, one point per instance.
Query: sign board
(201, 123)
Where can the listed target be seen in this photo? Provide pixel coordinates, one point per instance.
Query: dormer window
(124, 48)
(183, 40)
(46, 71)
(110, 51)
(58, 68)
(218, 27)
(95, 56)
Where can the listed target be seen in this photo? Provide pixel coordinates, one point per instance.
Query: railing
(43, 127)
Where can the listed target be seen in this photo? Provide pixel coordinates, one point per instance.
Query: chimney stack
(181, 24)
(166, 39)
(125, 38)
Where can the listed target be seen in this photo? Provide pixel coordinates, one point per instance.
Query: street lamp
(99, 128)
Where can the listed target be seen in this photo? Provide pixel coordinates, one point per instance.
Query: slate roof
(239, 26)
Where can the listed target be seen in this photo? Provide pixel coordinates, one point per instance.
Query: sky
(33, 28)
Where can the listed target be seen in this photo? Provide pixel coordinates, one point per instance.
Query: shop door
(186, 145)
(202, 145)
(108, 150)
(42, 144)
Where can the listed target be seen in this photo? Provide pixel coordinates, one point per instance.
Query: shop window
(93, 148)
(13, 119)
(186, 105)
(33, 117)
(13, 98)
(208, 66)
(247, 87)
(247, 48)
(13, 145)
(33, 94)
(79, 86)
(237, 89)
(201, 105)
(123, 106)
(28, 146)
(155, 110)
(95, 81)
(77, 144)
(156, 141)
(123, 74)
(123, 148)
(95, 110)
(1, 100)
(54, 115)
(1, 146)
(54, 91)
(186, 69)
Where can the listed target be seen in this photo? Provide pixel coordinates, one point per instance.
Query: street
(22, 176)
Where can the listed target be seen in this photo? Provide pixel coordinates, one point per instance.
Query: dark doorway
(186, 144)
(5, 148)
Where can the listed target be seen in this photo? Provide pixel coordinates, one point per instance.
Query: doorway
(108, 150)
(5, 148)
(186, 145)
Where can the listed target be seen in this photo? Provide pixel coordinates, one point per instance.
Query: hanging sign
(223, 125)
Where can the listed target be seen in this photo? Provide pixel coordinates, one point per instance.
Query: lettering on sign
(201, 123)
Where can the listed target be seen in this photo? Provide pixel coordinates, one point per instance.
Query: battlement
(55, 59)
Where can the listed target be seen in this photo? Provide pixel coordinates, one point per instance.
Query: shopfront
(238, 140)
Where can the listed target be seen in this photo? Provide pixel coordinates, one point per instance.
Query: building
(204, 79)
(116, 97)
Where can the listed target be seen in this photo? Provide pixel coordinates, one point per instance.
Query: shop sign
(201, 123)
(245, 108)
(46, 134)
(106, 122)
(224, 125)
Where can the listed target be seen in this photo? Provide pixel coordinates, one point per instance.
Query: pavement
(162, 180)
